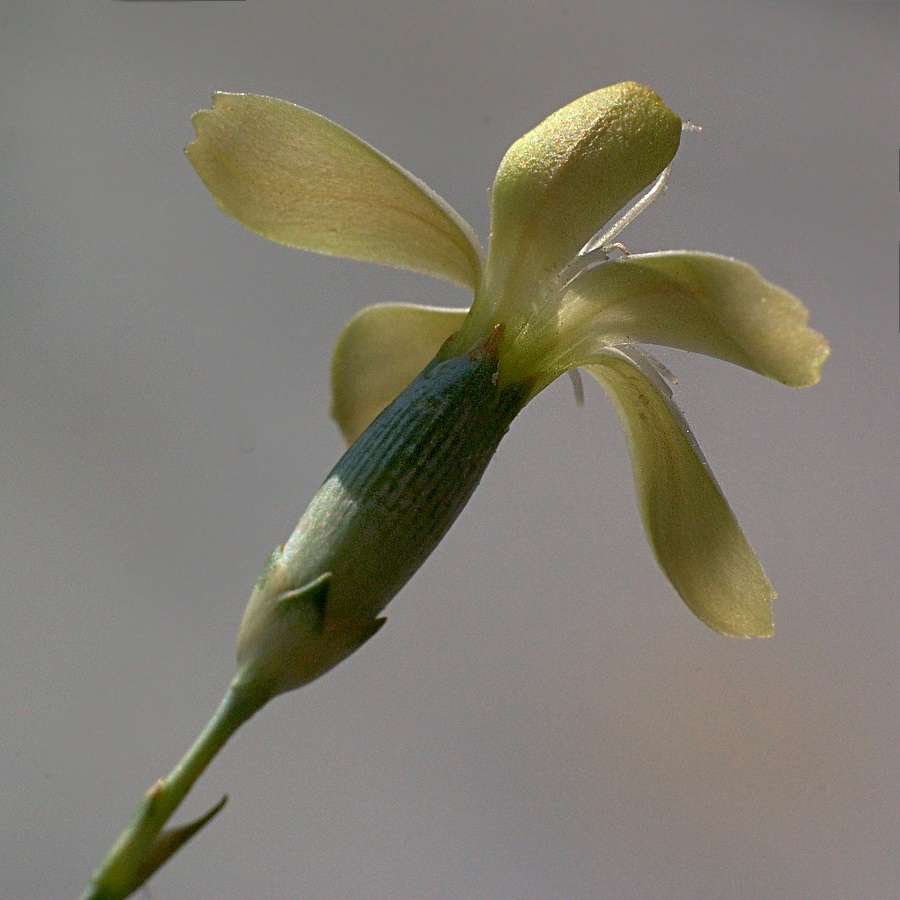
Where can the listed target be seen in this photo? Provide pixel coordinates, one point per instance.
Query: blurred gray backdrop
(541, 718)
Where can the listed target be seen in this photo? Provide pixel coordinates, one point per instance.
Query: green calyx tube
(382, 510)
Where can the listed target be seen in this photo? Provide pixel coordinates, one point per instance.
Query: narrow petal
(564, 180)
(691, 528)
(295, 177)
(379, 352)
(702, 302)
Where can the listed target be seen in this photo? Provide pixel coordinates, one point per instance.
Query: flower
(547, 300)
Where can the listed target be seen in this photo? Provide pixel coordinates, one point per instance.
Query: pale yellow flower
(547, 300)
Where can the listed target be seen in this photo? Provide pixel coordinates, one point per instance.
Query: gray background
(541, 718)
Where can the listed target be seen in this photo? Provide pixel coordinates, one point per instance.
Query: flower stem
(143, 846)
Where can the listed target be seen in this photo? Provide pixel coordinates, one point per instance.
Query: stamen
(597, 249)
(577, 385)
(617, 246)
(601, 241)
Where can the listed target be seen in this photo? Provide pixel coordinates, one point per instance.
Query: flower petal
(691, 528)
(295, 177)
(702, 302)
(379, 352)
(564, 180)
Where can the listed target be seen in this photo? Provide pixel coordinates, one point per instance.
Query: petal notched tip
(704, 303)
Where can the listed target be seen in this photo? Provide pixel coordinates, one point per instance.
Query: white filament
(598, 247)
(601, 241)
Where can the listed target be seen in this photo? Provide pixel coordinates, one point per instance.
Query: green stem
(143, 846)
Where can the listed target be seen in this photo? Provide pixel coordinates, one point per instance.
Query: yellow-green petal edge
(379, 352)
(692, 530)
(297, 178)
(561, 182)
(705, 303)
